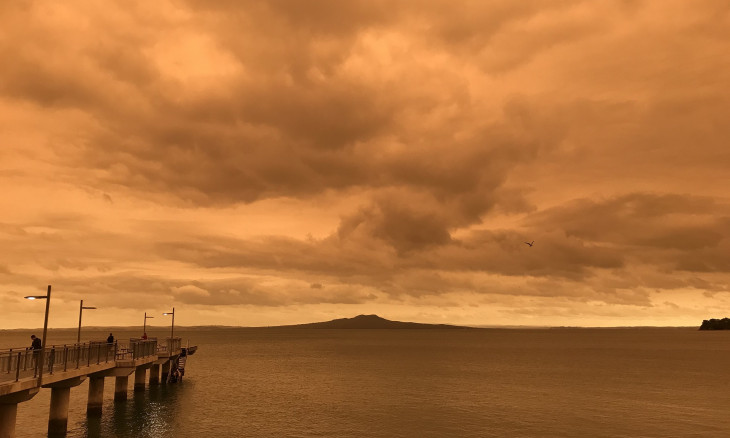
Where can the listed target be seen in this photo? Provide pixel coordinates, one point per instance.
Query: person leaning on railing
(36, 346)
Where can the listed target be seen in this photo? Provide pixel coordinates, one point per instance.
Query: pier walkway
(67, 366)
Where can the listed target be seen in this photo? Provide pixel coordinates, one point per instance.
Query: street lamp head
(36, 297)
(168, 313)
(84, 307)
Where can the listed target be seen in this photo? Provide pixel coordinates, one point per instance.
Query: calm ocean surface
(645, 382)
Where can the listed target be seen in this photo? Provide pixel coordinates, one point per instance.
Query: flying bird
(530, 243)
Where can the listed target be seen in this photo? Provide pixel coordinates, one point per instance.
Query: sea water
(632, 382)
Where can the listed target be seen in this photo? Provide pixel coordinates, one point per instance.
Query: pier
(23, 373)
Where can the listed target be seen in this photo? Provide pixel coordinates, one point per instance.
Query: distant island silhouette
(371, 322)
(716, 324)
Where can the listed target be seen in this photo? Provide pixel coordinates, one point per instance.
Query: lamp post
(172, 328)
(170, 343)
(46, 297)
(144, 327)
(81, 309)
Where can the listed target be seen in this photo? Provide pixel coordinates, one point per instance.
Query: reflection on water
(153, 413)
(92, 428)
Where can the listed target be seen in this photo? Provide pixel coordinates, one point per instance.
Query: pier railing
(143, 347)
(171, 347)
(21, 362)
(17, 363)
(15, 360)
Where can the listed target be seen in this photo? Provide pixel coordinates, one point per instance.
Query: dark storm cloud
(684, 232)
(609, 244)
(644, 219)
(442, 135)
(345, 259)
(259, 134)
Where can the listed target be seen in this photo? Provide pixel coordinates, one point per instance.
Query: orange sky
(294, 161)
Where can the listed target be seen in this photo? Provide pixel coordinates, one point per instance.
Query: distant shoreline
(360, 322)
(233, 327)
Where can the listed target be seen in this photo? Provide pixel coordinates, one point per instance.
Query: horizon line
(480, 326)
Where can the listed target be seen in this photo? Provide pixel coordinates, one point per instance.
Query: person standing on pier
(36, 343)
(110, 339)
(36, 346)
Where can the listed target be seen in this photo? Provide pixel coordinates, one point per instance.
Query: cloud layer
(346, 157)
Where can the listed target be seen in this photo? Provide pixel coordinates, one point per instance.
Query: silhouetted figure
(530, 243)
(36, 346)
(144, 336)
(174, 376)
(110, 339)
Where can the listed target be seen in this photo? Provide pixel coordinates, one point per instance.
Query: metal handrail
(143, 347)
(57, 358)
(16, 363)
(171, 346)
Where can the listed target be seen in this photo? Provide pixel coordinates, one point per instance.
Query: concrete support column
(9, 410)
(58, 416)
(120, 388)
(96, 397)
(139, 377)
(155, 375)
(165, 372)
(8, 413)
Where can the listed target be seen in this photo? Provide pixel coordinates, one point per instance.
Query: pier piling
(140, 373)
(96, 397)
(58, 416)
(120, 388)
(8, 412)
(165, 372)
(154, 375)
